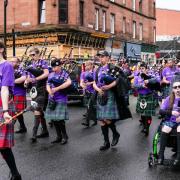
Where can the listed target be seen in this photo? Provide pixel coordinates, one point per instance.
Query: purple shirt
(7, 75)
(19, 90)
(138, 83)
(165, 106)
(168, 73)
(58, 96)
(88, 76)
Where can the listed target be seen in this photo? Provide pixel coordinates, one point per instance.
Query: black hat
(103, 53)
(55, 62)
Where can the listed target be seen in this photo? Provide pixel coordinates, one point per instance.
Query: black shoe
(64, 141)
(176, 162)
(43, 135)
(21, 131)
(115, 139)
(57, 140)
(106, 146)
(94, 123)
(33, 140)
(16, 177)
(85, 124)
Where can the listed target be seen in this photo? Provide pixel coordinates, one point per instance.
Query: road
(81, 159)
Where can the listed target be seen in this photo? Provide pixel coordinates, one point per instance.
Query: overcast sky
(168, 4)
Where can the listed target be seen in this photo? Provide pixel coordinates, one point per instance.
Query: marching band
(106, 87)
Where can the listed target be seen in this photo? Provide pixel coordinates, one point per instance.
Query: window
(42, 11)
(154, 34)
(104, 21)
(124, 25)
(154, 9)
(112, 23)
(63, 11)
(97, 19)
(134, 5)
(140, 6)
(81, 13)
(140, 31)
(134, 29)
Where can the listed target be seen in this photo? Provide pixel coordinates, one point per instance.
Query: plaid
(109, 111)
(60, 112)
(7, 131)
(20, 103)
(165, 91)
(150, 109)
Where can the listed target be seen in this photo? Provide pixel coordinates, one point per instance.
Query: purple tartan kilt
(7, 131)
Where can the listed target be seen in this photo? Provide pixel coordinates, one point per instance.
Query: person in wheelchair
(170, 110)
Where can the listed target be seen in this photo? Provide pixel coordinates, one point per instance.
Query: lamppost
(5, 25)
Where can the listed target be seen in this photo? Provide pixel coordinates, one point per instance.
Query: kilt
(150, 109)
(20, 103)
(108, 111)
(7, 131)
(60, 112)
(165, 92)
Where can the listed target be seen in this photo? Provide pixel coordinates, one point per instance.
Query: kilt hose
(108, 111)
(7, 131)
(20, 103)
(150, 109)
(58, 114)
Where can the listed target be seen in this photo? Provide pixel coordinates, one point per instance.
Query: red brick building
(86, 25)
(168, 32)
(168, 24)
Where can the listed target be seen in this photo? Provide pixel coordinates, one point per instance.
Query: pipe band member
(170, 110)
(56, 111)
(86, 82)
(19, 92)
(146, 102)
(167, 75)
(107, 111)
(38, 73)
(7, 109)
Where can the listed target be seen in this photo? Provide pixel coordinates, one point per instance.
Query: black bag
(52, 104)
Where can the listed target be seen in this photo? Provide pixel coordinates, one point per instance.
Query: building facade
(168, 33)
(120, 26)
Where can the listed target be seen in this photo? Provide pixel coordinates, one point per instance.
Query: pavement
(81, 159)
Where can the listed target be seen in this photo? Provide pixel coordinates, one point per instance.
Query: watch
(5, 111)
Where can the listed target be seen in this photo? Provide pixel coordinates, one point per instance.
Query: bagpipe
(33, 106)
(61, 80)
(111, 75)
(89, 77)
(154, 86)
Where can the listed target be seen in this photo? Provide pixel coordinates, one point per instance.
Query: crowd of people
(106, 88)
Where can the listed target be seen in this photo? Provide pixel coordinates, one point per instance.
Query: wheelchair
(171, 143)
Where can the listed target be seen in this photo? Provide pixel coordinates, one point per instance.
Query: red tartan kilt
(20, 103)
(7, 131)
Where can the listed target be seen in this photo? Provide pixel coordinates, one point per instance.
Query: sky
(168, 4)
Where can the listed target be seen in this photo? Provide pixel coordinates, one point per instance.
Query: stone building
(124, 27)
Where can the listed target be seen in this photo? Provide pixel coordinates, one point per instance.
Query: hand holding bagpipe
(9, 119)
